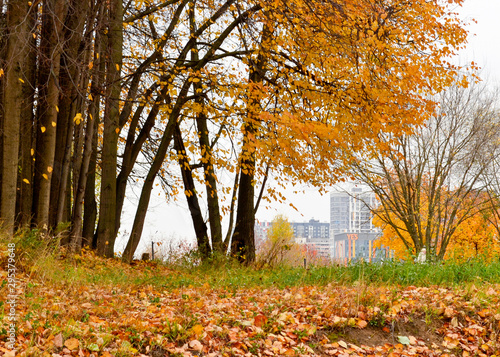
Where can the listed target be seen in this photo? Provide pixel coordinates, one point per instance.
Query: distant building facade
(350, 212)
(352, 231)
(313, 229)
(349, 236)
(348, 247)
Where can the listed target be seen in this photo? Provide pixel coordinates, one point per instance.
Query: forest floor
(88, 306)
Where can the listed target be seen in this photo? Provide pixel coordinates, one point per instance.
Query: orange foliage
(474, 237)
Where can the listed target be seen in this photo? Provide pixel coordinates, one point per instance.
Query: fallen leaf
(195, 345)
(260, 320)
(404, 340)
(197, 329)
(58, 340)
(72, 343)
(362, 323)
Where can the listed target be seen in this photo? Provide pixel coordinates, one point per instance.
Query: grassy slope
(87, 305)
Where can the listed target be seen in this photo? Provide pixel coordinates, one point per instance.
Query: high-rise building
(350, 212)
(350, 220)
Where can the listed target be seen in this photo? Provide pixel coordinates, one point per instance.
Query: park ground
(83, 305)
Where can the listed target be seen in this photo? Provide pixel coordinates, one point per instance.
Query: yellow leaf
(54, 124)
(26, 181)
(20, 80)
(90, 97)
(78, 118)
(43, 129)
(117, 67)
(72, 343)
(57, 109)
(197, 329)
(49, 169)
(117, 130)
(1, 72)
(91, 64)
(45, 176)
(32, 152)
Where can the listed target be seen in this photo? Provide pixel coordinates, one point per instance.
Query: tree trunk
(17, 26)
(107, 212)
(133, 149)
(200, 226)
(50, 64)
(89, 236)
(243, 241)
(27, 135)
(142, 207)
(140, 215)
(73, 89)
(214, 216)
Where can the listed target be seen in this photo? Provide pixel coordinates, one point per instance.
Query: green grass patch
(41, 257)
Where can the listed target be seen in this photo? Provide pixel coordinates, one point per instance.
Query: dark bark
(17, 26)
(89, 235)
(200, 227)
(243, 240)
(73, 86)
(49, 68)
(133, 148)
(214, 216)
(140, 216)
(107, 211)
(27, 138)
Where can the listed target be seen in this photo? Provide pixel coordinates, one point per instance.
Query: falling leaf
(78, 118)
(45, 176)
(20, 80)
(54, 124)
(49, 169)
(42, 129)
(26, 181)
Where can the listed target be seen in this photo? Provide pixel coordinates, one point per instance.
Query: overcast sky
(172, 221)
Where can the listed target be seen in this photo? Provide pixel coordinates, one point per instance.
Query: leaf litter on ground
(102, 319)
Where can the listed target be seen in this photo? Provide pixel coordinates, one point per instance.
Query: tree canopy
(192, 93)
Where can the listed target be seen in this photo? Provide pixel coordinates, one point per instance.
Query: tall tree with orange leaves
(329, 81)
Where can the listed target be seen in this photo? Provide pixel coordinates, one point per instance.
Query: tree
(432, 182)
(321, 92)
(250, 89)
(279, 243)
(18, 34)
